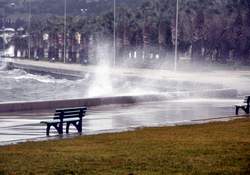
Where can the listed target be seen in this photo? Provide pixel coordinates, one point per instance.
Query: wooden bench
(69, 116)
(244, 106)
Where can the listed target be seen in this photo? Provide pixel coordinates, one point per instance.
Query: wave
(19, 75)
(42, 79)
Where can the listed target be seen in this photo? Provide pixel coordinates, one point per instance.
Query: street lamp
(176, 35)
(4, 36)
(65, 23)
(29, 42)
(114, 42)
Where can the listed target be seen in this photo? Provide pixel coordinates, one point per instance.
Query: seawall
(43, 105)
(43, 68)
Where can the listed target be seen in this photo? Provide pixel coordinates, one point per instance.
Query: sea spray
(101, 84)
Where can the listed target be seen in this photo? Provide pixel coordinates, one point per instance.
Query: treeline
(214, 30)
(56, 7)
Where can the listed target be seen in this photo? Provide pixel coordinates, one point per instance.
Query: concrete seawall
(57, 72)
(42, 105)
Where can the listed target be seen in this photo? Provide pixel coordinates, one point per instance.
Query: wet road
(17, 127)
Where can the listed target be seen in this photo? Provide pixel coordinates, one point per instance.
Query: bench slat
(71, 109)
(241, 104)
(71, 119)
(69, 116)
(50, 121)
(58, 121)
(69, 113)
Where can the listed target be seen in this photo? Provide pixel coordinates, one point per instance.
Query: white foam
(19, 75)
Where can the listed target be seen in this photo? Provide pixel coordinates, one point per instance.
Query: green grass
(214, 148)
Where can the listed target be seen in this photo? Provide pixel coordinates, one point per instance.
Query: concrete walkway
(22, 126)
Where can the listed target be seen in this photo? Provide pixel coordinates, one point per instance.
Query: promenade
(20, 126)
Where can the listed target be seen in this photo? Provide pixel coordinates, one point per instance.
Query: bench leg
(57, 126)
(237, 110)
(67, 127)
(78, 126)
(48, 129)
(247, 110)
(60, 128)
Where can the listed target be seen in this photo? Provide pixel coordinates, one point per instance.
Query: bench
(70, 116)
(244, 106)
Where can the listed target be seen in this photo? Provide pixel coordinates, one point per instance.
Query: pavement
(23, 126)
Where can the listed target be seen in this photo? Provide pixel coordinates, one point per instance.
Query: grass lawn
(214, 148)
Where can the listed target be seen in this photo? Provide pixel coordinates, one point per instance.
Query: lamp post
(29, 42)
(64, 37)
(114, 39)
(4, 36)
(176, 35)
